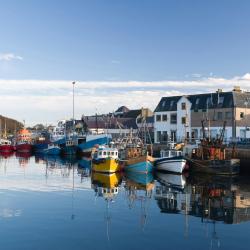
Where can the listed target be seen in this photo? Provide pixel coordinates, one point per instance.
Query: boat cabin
(5, 142)
(103, 153)
(170, 153)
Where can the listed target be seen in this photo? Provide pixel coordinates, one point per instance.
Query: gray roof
(168, 103)
(208, 100)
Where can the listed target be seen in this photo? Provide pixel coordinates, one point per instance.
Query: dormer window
(221, 100)
(183, 106)
(197, 101)
(171, 104)
(209, 101)
(163, 103)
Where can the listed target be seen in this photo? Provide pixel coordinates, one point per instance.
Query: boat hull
(140, 167)
(40, 147)
(52, 151)
(173, 164)
(219, 167)
(6, 148)
(69, 150)
(107, 165)
(24, 148)
(86, 148)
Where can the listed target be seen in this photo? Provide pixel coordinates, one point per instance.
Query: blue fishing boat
(69, 148)
(52, 149)
(91, 141)
(141, 167)
(40, 144)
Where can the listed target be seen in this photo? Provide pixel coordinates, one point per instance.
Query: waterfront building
(179, 117)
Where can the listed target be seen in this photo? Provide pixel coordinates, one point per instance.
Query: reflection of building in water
(171, 194)
(221, 202)
(139, 188)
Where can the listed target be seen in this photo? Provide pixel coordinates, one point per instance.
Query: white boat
(171, 161)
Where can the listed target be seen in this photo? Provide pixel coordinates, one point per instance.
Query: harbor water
(56, 203)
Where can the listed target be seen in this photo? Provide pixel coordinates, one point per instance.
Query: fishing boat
(23, 141)
(105, 160)
(41, 144)
(171, 161)
(88, 142)
(69, 148)
(6, 145)
(52, 149)
(134, 154)
(210, 156)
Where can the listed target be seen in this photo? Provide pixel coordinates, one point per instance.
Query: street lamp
(73, 85)
(246, 129)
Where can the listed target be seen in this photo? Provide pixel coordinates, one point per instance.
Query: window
(209, 101)
(163, 103)
(164, 135)
(197, 101)
(158, 118)
(241, 115)
(158, 137)
(228, 115)
(219, 115)
(171, 104)
(183, 105)
(173, 118)
(183, 120)
(221, 100)
(164, 117)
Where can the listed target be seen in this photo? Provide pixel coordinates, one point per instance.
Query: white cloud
(10, 57)
(47, 101)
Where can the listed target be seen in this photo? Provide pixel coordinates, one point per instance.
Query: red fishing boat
(6, 146)
(23, 141)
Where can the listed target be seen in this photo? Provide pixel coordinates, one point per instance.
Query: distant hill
(11, 125)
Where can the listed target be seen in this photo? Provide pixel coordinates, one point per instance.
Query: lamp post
(73, 85)
(246, 103)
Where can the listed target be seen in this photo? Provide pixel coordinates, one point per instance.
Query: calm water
(56, 204)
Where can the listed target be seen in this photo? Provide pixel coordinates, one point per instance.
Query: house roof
(132, 113)
(122, 109)
(168, 104)
(208, 100)
(241, 99)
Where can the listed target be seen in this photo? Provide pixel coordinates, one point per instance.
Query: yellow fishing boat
(105, 160)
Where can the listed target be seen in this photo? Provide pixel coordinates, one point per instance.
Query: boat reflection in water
(171, 193)
(23, 158)
(212, 198)
(84, 168)
(107, 187)
(139, 189)
(6, 154)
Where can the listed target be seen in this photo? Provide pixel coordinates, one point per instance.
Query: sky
(129, 53)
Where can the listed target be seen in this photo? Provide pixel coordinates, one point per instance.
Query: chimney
(237, 89)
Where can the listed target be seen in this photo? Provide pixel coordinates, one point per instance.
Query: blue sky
(120, 41)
